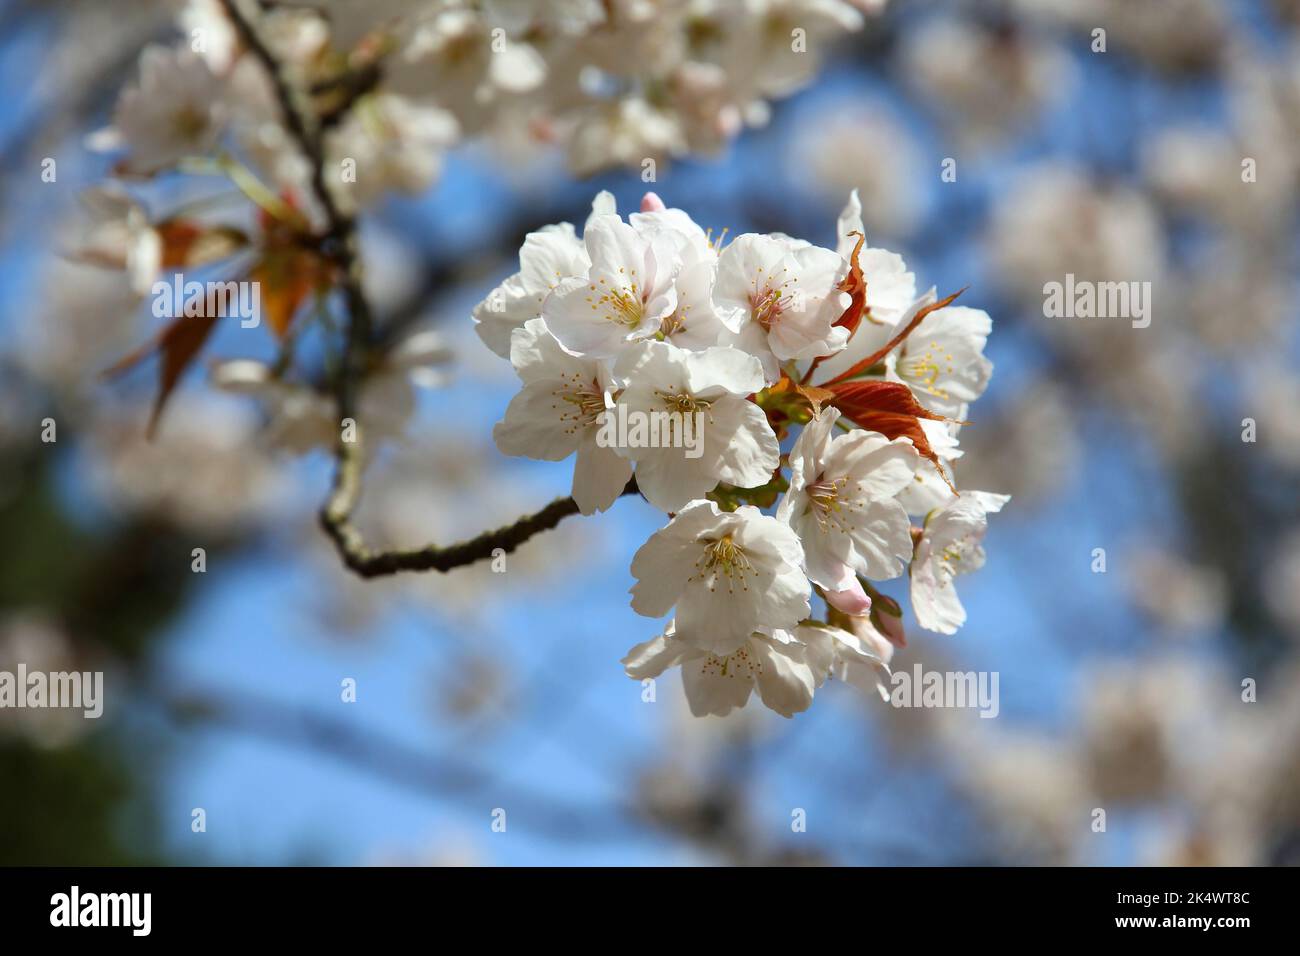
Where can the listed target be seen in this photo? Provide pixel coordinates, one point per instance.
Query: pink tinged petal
(852, 600)
(651, 202)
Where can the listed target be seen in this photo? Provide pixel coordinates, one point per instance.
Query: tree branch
(351, 546)
(339, 242)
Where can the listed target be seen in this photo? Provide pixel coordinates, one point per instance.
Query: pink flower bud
(852, 600)
(651, 202)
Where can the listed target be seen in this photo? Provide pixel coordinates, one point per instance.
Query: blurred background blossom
(1120, 691)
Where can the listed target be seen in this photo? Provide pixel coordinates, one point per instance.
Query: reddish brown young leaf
(787, 391)
(815, 396)
(889, 408)
(188, 243)
(893, 343)
(855, 284)
(286, 277)
(177, 346)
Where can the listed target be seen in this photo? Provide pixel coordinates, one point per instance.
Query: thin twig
(370, 564)
(889, 346)
(339, 242)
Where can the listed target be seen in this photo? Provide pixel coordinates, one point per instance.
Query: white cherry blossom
(622, 132)
(928, 490)
(951, 545)
(558, 413)
(858, 657)
(120, 236)
(394, 143)
(207, 20)
(842, 502)
(728, 574)
(694, 324)
(943, 361)
(778, 295)
(549, 255)
(458, 54)
(624, 296)
(774, 664)
(890, 296)
(735, 443)
(174, 111)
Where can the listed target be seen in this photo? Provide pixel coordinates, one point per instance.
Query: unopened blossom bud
(851, 600)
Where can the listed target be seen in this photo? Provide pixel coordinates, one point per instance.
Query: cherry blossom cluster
(609, 83)
(771, 342)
